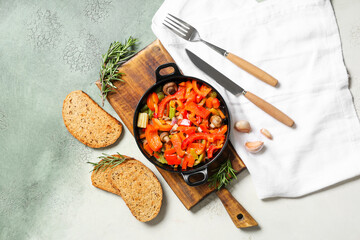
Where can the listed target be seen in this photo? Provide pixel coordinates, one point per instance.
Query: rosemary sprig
(116, 55)
(108, 161)
(223, 175)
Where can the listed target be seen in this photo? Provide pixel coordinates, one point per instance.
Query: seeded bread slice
(88, 122)
(139, 188)
(100, 180)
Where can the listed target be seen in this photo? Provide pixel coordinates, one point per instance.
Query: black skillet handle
(186, 177)
(160, 77)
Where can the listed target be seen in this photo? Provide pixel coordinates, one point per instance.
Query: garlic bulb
(242, 126)
(254, 147)
(266, 133)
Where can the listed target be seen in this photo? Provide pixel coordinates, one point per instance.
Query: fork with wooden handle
(189, 33)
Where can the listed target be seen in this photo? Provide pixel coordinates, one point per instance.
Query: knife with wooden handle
(237, 90)
(252, 69)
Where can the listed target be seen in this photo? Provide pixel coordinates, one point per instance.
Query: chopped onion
(174, 128)
(174, 121)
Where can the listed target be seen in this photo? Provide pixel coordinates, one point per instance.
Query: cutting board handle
(240, 217)
(175, 73)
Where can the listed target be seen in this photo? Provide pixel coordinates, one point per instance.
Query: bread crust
(99, 179)
(138, 187)
(88, 122)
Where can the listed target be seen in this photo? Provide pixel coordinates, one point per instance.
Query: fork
(189, 33)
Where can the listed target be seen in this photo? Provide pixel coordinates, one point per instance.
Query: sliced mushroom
(215, 121)
(170, 88)
(164, 137)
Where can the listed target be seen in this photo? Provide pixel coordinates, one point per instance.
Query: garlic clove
(254, 147)
(266, 133)
(242, 126)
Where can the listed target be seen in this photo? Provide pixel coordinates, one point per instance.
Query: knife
(237, 90)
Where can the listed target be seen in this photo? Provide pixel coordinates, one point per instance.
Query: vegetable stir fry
(182, 124)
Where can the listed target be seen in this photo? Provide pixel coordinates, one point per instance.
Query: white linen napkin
(298, 43)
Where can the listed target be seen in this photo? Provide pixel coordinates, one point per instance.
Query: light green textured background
(50, 48)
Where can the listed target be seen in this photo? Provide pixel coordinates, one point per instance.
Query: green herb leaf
(222, 176)
(116, 55)
(108, 161)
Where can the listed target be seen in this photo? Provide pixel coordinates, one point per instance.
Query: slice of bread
(88, 122)
(100, 180)
(139, 188)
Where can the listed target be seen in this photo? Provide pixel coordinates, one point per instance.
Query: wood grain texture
(139, 76)
(240, 217)
(269, 109)
(252, 69)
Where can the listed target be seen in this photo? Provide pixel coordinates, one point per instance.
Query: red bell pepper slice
(189, 160)
(184, 163)
(195, 87)
(199, 98)
(197, 136)
(170, 151)
(205, 90)
(211, 149)
(168, 145)
(187, 130)
(198, 120)
(148, 149)
(176, 141)
(180, 105)
(199, 147)
(202, 102)
(152, 101)
(188, 86)
(221, 130)
(192, 138)
(163, 103)
(184, 122)
(204, 128)
(183, 113)
(198, 110)
(221, 113)
(191, 96)
(209, 102)
(160, 126)
(172, 159)
(180, 93)
(156, 155)
(215, 136)
(192, 118)
(216, 103)
(182, 136)
(152, 137)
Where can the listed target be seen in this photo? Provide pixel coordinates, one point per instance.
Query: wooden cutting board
(139, 76)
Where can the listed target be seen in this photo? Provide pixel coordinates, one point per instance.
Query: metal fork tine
(174, 31)
(177, 25)
(185, 23)
(177, 28)
(184, 28)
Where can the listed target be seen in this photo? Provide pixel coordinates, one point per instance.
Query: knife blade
(215, 74)
(235, 89)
